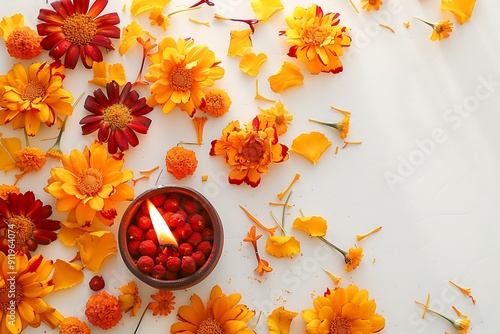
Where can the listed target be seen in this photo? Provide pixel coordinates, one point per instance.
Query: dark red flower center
(33, 90)
(372, 2)
(8, 292)
(89, 182)
(23, 227)
(181, 79)
(117, 116)
(209, 326)
(340, 326)
(280, 120)
(79, 29)
(252, 151)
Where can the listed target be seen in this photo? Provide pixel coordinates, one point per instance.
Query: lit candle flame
(165, 236)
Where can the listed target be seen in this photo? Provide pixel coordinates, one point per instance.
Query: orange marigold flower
(21, 41)
(440, 30)
(371, 4)
(75, 30)
(28, 219)
(163, 304)
(181, 162)
(222, 314)
(278, 117)
(249, 151)
(6, 189)
(353, 258)
(30, 159)
(129, 298)
(317, 39)
(73, 325)
(216, 102)
(343, 311)
(103, 310)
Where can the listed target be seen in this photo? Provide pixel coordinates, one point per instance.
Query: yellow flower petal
(66, 274)
(462, 9)
(240, 42)
(251, 63)
(105, 73)
(95, 247)
(288, 75)
(7, 149)
(141, 6)
(264, 9)
(130, 35)
(279, 321)
(281, 246)
(311, 145)
(69, 233)
(314, 225)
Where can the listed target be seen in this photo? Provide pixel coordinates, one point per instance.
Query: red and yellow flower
(249, 151)
(75, 31)
(117, 116)
(317, 39)
(20, 40)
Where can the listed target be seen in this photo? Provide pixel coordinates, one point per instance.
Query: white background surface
(439, 220)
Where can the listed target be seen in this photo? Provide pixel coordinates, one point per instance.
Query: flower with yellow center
(164, 301)
(249, 151)
(21, 41)
(33, 96)
(179, 72)
(31, 281)
(27, 219)
(317, 39)
(89, 184)
(278, 117)
(221, 315)
(343, 311)
(440, 30)
(216, 102)
(371, 4)
(75, 30)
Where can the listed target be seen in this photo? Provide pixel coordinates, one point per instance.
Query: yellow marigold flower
(239, 43)
(21, 41)
(89, 183)
(462, 9)
(6, 189)
(129, 298)
(222, 314)
(315, 226)
(250, 63)
(343, 311)
(95, 247)
(104, 73)
(317, 39)
(179, 71)
(264, 9)
(140, 6)
(216, 102)
(353, 258)
(311, 145)
(288, 75)
(181, 162)
(371, 4)
(73, 325)
(440, 30)
(33, 96)
(157, 18)
(278, 117)
(278, 322)
(249, 151)
(163, 304)
(32, 277)
(281, 246)
(102, 310)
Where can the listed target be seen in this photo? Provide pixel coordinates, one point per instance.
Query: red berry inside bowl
(147, 247)
(145, 264)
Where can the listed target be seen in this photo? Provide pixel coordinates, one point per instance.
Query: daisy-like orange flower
(371, 4)
(461, 325)
(317, 39)
(21, 41)
(179, 72)
(117, 116)
(163, 304)
(103, 310)
(249, 151)
(77, 31)
(440, 30)
(129, 298)
(33, 96)
(221, 314)
(73, 325)
(277, 116)
(216, 102)
(89, 183)
(32, 281)
(25, 217)
(181, 162)
(346, 311)
(352, 258)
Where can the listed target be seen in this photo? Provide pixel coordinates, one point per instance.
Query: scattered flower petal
(240, 42)
(140, 6)
(361, 237)
(282, 194)
(95, 247)
(104, 73)
(288, 75)
(278, 322)
(264, 9)
(66, 275)
(311, 145)
(336, 280)
(281, 246)
(314, 225)
(462, 9)
(250, 63)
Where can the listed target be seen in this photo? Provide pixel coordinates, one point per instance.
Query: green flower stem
(140, 320)
(344, 253)
(26, 137)
(333, 125)
(282, 228)
(284, 209)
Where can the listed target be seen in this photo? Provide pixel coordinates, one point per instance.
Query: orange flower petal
(314, 225)
(462, 9)
(288, 75)
(69, 233)
(264, 9)
(250, 63)
(95, 247)
(281, 246)
(66, 274)
(240, 42)
(278, 322)
(140, 6)
(311, 145)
